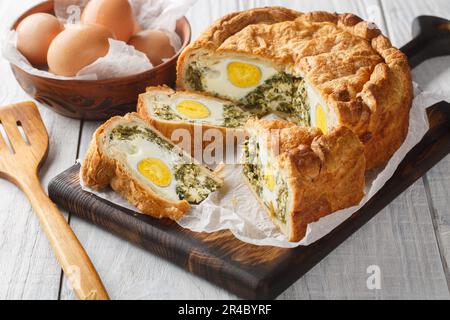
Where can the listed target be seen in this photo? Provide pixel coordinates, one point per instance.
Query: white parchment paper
(122, 59)
(235, 208)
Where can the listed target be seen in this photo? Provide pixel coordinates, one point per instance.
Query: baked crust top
(356, 70)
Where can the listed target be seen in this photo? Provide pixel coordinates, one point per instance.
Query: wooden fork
(19, 163)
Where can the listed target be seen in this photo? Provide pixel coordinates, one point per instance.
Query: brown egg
(116, 15)
(155, 44)
(77, 47)
(136, 27)
(34, 35)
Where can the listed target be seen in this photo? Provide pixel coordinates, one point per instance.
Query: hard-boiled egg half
(156, 171)
(154, 164)
(199, 108)
(166, 104)
(320, 114)
(234, 78)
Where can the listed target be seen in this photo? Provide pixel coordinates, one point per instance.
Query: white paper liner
(122, 59)
(234, 207)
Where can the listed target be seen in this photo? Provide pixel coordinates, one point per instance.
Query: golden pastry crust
(101, 169)
(359, 74)
(195, 131)
(324, 173)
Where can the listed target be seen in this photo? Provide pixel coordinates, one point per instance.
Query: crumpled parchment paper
(122, 59)
(235, 208)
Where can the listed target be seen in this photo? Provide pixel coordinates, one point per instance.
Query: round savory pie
(343, 91)
(315, 69)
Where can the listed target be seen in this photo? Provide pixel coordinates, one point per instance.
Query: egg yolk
(243, 75)
(193, 109)
(321, 119)
(269, 179)
(156, 171)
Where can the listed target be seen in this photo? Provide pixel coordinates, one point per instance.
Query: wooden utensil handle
(72, 257)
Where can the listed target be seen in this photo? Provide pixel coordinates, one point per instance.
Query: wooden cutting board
(251, 272)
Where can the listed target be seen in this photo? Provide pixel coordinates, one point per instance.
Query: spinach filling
(282, 94)
(193, 185)
(300, 103)
(194, 77)
(132, 132)
(234, 117)
(164, 112)
(252, 169)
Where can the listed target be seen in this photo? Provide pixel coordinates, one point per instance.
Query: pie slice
(145, 168)
(300, 175)
(164, 108)
(196, 114)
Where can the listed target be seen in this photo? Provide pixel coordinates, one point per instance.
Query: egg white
(267, 195)
(216, 108)
(139, 149)
(314, 100)
(216, 79)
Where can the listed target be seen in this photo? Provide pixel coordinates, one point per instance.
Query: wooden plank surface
(400, 240)
(433, 76)
(28, 269)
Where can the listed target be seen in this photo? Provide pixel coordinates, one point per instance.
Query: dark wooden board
(252, 272)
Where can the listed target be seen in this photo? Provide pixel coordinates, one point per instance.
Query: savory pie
(315, 69)
(343, 91)
(145, 168)
(299, 174)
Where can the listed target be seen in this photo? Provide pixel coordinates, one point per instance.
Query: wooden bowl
(96, 99)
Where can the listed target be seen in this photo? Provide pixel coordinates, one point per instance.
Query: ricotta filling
(160, 165)
(321, 115)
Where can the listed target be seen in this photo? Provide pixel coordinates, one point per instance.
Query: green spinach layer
(282, 94)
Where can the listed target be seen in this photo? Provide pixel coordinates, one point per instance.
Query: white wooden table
(409, 240)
